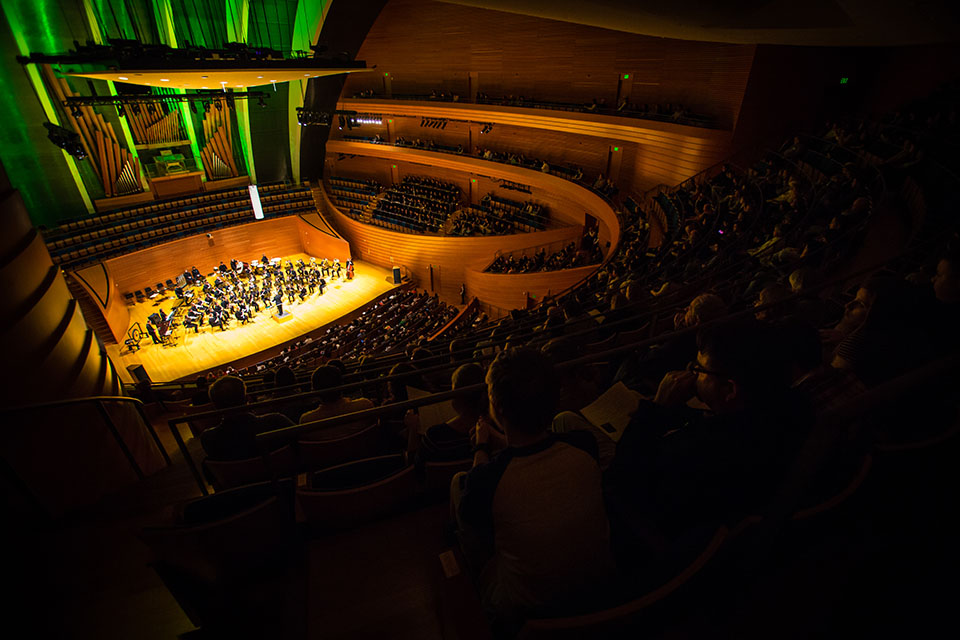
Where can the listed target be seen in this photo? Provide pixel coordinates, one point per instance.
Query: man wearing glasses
(678, 472)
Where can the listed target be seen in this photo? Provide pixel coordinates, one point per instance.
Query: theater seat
(235, 473)
(320, 454)
(393, 487)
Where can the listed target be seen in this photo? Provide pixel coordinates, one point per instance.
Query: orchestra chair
(129, 298)
(357, 492)
(170, 284)
(139, 295)
(235, 473)
(150, 293)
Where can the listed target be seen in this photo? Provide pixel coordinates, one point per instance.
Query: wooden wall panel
(427, 45)
(653, 152)
(104, 292)
(452, 257)
(449, 257)
(318, 243)
(507, 291)
(277, 237)
(567, 201)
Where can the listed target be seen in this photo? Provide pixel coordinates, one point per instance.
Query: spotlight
(66, 140)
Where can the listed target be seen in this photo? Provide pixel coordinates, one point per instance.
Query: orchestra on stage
(239, 291)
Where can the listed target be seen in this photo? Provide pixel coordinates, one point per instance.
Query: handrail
(439, 397)
(472, 306)
(99, 403)
(692, 120)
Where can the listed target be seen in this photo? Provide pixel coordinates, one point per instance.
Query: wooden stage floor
(195, 352)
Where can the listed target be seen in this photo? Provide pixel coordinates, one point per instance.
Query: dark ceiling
(809, 23)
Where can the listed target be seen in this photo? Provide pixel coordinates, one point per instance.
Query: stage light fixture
(66, 140)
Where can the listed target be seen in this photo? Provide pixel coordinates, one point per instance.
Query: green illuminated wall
(55, 186)
(45, 177)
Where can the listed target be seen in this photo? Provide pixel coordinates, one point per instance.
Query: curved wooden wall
(453, 259)
(42, 331)
(508, 291)
(102, 297)
(567, 201)
(105, 284)
(426, 45)
(652, 152)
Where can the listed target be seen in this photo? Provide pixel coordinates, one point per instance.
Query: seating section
(772, 238)
(417, 205)
(76, 243)
(353, 196)
(497, 215)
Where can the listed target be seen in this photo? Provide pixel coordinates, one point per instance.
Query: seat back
(438, 475)
(235, 473)
(208, 556)
(321, 454)
(619, 621)
(344, 508)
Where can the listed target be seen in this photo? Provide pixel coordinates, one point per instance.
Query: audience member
(537, 503)
(235, 437)
(332, 403)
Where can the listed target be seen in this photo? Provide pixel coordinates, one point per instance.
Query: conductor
(278, 300)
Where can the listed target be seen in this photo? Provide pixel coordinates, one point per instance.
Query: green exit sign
(626, 76)
(844, 80)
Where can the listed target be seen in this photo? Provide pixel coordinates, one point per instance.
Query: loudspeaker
(396, 275)
(138, 372)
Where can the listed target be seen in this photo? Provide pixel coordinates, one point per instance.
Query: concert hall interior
(475, 319)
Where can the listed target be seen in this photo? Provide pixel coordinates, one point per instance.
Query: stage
(192, 352)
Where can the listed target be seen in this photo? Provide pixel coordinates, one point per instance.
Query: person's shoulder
(359, 404)
(581, 439)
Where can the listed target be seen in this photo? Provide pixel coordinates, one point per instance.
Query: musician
(303, 293)
(155, 318)
(197, 276)
(291, 294)
(324, 268)
(193, 322)
(222, 267)
(278, 300)
(241, 315)
(178, 291)
(322, 283)
(234, 265)
(336, 266)
(153, 333)
(264, 260)
(350, 269)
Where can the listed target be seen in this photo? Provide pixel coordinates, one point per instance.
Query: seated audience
(332, 403)
(235, 437)
(537, 503)
(200, 396)
(679, 473)
(451, 440)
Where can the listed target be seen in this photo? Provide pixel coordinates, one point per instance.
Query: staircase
(91, 312)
